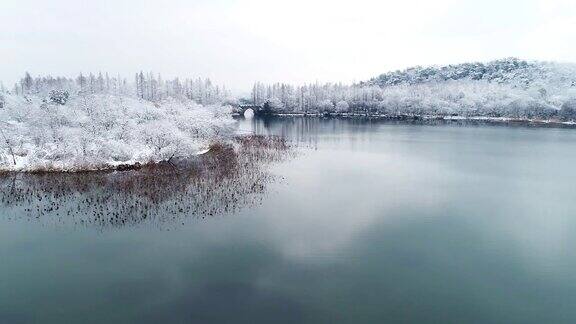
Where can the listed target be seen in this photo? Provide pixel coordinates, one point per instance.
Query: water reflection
(222, 181)
(312, 130)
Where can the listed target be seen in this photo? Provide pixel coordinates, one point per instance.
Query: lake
(363, 222)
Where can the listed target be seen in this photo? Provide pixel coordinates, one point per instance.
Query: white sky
(237, 42)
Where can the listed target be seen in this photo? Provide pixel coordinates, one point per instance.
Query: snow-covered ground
(99, 131)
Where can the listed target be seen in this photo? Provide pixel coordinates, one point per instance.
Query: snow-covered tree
(342, 106)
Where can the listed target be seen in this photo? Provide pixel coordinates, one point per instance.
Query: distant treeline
(146, 86)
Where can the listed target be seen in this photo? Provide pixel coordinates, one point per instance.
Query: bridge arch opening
(249, 113)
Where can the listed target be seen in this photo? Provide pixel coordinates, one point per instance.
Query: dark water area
(359, 221)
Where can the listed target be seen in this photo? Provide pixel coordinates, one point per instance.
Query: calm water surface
(369, 222)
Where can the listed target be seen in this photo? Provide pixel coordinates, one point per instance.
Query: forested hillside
(504, 88)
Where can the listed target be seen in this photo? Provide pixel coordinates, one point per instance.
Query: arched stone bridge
(241, 109)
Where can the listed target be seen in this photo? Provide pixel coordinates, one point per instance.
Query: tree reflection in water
(222, 181)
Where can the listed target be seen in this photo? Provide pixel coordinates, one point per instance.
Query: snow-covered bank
(413, 117)
(507, 120)
(102, 131)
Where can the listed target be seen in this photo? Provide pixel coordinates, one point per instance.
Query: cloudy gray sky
(236, 42)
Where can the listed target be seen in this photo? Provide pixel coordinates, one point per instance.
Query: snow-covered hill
(506, 71)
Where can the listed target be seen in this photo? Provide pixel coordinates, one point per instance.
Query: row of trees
(83, 84)
(281, 97)
(146, 86)
(203, 91)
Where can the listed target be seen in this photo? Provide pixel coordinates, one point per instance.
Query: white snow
(99, 131)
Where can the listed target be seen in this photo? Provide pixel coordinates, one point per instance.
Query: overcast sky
(236, 42)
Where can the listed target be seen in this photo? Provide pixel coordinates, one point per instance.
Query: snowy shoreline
(503, 120)
(105, 167)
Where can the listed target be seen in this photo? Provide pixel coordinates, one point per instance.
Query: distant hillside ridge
(508, 70)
